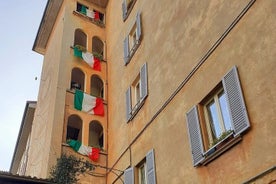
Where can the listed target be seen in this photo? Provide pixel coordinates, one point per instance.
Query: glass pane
(142, 174)
(213, 118)
(225, 111)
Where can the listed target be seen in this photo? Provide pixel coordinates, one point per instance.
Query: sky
(19, 67)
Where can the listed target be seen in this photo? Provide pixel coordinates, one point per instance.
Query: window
(221, 120)
(80, 39)
(217, 117)
(77, 79)
(97, 47)
(142, 173)
(136, 93)
(97, 86)
(132, 40)
(146, 171)
(127, 7)
(95, 134)
(81, 8)
(74, 128)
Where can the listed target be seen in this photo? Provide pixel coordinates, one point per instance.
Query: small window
(98, 47)
(127, 7)
(81, 8)
(142, 173)
(132, 40)
(216, 124)
(145, 171)
(217, 117)
(137, 93)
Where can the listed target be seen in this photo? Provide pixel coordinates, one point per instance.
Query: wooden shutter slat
(144, 82)
(195, 136)
(234, 96)
(129, 176)
(128, 104)
(150, 162)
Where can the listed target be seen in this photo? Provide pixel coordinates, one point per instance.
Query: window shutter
(138, 26)
(129, 176)
(128, 104)
(150, 167)
(126, 50)
(124, 8)
(235, 100)
(144, 82)
(195, 136)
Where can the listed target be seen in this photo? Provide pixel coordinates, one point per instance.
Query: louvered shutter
(128, 103)
(151, 179)
(129, 176)
(124, 9)
(138, 26)
(235, 100)
(195, 136)
(126, 50)
(144, 82)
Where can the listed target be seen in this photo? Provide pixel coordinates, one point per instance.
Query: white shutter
(144, 82)
(151, 179)
(126, 50)
(128, 104)
(129, 176)
(195, 136)
(235, 100)
(124, 9)
(138, 26)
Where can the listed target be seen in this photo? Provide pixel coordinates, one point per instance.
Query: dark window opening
(77, 79)
(97, 87)
(74, 128)
(96, 137)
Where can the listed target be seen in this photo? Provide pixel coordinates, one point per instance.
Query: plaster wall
(176, 35)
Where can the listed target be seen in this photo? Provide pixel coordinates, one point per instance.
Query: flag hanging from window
(88, 104)
(91, 152)
(89, 58)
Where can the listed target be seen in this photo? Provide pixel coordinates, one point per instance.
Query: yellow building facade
(188, 90)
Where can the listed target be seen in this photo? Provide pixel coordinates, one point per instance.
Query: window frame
(132, 104)
(238, 116)
(131, 45)
(127, 8)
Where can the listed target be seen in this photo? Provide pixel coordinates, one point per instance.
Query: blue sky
(19, 66)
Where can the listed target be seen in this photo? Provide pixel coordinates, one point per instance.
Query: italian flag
(87, 103)
(90, 13)
(89, 58)
(92, 153)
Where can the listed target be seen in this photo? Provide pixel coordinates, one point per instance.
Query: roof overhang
(24, 132)
(46, 25)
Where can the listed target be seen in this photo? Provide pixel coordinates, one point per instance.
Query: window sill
(136, 109)
(220, 148)
(132, 51)
(96, 22)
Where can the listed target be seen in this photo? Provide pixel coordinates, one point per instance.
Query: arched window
(97, 86)
(80, 38)
(96, 137)
(77, 79)
(74, 128)
(97, 46)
